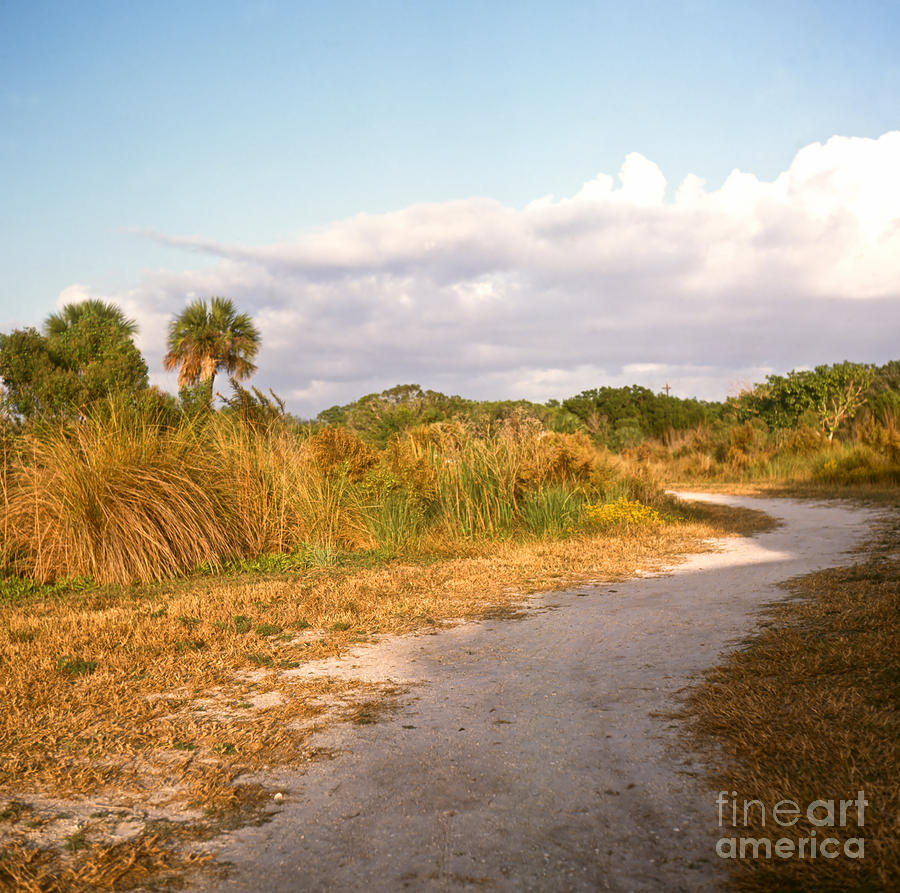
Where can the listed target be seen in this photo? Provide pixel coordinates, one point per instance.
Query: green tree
(376, 417)
(59, 323)
(832, 394)
(205, 339)
(63, 373)
(623, 416)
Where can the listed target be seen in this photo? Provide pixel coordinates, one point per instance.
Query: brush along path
(534, 755)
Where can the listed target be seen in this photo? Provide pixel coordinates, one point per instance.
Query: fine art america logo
(822, 815)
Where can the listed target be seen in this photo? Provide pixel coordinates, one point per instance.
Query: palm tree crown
(60, 323)
(206, 338)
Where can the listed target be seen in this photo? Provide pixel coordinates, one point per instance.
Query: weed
(12, 811)
(241, 623)
(552, 511)
(75, 666)
(189, 645)
(76, 842)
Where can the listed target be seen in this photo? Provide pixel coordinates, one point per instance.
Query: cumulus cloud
(613, 285)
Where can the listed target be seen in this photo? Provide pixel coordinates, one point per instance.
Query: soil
(540, 754)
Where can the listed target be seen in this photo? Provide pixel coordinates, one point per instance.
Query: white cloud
(613, 286)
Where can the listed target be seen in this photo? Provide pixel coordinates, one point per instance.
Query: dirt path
(530, 755)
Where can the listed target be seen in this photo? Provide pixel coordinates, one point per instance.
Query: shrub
(622, 512)
(143, 492)
(120, 496)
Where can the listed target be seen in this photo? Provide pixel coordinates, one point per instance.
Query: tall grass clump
(474, 482)
(288, 490)
(124, 494)
(868, 453)
(142, 492)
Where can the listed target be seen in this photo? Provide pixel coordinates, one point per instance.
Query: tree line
(86, 352)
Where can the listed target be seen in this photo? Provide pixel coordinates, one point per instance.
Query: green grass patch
(75, 666)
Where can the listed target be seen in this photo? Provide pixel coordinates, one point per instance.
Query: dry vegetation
(801, 458)
(134, 710)
(148, 697)
(141, 494)
(808, 710)
(166, 573)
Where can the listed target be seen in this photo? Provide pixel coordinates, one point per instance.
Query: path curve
(531, 755)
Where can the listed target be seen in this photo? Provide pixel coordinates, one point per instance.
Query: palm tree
(71, 314)
(206, 338)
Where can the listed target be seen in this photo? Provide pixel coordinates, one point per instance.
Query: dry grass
(864, 494)
(808, 710)
(118, 498)
(144, 493)
(116, 866)
(867, 457)
(163, 697)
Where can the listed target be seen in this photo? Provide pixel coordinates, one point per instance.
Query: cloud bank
(620, 283)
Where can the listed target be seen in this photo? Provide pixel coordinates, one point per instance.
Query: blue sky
(258, 123)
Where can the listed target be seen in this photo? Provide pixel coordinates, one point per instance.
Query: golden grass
(119, 497)
(865, 493)
(809, 710)
(749, 454)
(117, 866)
(143, 493)
(179, 688)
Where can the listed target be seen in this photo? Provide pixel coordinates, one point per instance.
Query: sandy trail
(528, 755)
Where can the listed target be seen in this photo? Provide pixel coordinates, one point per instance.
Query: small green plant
(241, 623)
(75, 666)
(301, 624)
(321, 555)
(340, 626)
(190, 645)
(188, 621)
(261, 660)
(14, 589)
(76, 842)
(13, 810)
(267, 629)
(183, 745)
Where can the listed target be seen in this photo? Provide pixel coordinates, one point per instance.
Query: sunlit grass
(807, 710)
